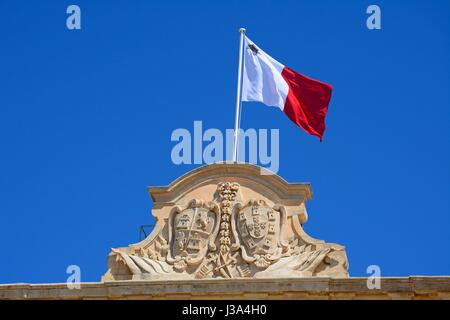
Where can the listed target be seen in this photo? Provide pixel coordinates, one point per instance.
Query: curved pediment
(228, 221)
(251, 176)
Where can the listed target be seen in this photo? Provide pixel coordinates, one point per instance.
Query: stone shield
(259, 228)
(192, 230)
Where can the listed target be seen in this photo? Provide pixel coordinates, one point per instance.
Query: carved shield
(192, 229)
(259, 228)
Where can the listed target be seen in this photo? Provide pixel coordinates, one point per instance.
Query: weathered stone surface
(281, 288)
(228, 221)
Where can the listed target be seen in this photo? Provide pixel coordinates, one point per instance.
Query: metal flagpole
(238, 96)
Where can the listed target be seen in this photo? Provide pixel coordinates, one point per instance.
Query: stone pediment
(228, 221)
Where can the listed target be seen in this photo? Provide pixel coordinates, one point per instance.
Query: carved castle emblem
(228, 237)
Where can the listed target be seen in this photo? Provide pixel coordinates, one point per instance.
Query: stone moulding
(394, 288)
(228, 221)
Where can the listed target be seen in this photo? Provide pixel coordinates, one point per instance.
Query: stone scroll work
(230, 226)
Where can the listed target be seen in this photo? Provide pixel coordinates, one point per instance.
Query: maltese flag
(304, 100)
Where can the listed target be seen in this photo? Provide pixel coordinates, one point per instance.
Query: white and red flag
(304, 100)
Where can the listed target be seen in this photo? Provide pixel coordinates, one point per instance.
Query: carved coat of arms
(228, 237)
(193, 231)
(259, 227)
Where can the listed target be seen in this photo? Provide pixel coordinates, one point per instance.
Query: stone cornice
(414, 287)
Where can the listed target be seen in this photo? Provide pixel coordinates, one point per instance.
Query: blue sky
(86, 118)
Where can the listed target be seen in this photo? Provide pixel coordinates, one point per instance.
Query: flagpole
(238, 96)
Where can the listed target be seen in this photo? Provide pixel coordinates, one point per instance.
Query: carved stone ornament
(228, 221)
